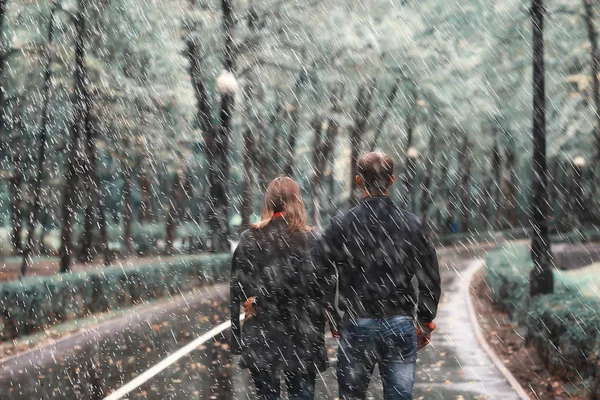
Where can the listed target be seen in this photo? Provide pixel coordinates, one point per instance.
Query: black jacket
(377, 248)
(288, 330)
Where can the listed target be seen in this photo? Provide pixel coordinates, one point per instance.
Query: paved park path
(454, 367)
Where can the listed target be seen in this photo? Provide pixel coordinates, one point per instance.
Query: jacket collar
(373, 199)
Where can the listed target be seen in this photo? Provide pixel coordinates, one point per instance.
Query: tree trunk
(541, 277)
(387, 108)
(41, 158)
(294, 119)
(362, 111)
(146, 193)
(578, 207)
(88, 170)
(408, 177)
(174, 206)
(3, 61)
(87, 240)
(511, 188)
(79, 101)
(249, 157)
(484, 206)
(100, 206)
(553, 192)
(322, 152)
(16, 203)
(203, 112)
(497, 174)
(444, 192)
(316, 181)
(427, 174)
(261, 160)
(595, 61)
(127, 210)
(276, 157)
(464, 185)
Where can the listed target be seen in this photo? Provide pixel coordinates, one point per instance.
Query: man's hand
(424, 330)
(249, 308)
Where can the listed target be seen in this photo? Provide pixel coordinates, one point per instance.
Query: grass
(586, 281)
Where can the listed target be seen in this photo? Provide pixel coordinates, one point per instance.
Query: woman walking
(272, 273)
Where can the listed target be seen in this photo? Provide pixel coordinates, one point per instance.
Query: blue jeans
(391, 343)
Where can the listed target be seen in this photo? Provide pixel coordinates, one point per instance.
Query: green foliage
(564, 327)
(35, 303)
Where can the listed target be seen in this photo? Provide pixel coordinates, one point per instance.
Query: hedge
(37, 302)
(564, 327)
(473, 237)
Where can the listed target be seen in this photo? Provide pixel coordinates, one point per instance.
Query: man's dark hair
(375, 169)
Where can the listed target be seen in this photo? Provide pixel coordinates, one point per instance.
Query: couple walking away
(288, 280)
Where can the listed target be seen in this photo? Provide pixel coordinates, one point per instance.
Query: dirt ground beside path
(523, 361)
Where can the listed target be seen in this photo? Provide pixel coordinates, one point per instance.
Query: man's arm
(325, 254)
(428, 275)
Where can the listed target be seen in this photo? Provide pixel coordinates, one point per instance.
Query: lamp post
(578, 207)
(411, 167)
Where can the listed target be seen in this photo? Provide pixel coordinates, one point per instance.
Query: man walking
(377, 248)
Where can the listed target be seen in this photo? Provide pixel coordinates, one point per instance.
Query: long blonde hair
(283, 195)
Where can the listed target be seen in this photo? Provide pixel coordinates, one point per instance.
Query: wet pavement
(91, 365)
(453, 367)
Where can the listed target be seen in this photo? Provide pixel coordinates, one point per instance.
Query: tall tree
(80, 102)
(541, 277)
(41, 156)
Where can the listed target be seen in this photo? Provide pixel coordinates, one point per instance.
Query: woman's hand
(249, 308)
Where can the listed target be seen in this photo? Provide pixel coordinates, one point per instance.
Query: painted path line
(168, 361)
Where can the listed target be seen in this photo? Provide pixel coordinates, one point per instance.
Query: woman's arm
(234, 303)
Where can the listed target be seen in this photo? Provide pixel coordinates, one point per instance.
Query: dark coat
(288, 330)
(377, 248)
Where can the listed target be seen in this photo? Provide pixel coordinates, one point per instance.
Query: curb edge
(514, 383)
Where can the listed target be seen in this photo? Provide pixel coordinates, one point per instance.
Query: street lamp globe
(412, 153)
(579, 162)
